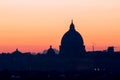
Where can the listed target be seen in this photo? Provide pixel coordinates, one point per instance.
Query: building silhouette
(110, 49)
(51, 51)
(72, 43)
(17, 52)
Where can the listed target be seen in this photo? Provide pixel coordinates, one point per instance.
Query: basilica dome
(72, 42)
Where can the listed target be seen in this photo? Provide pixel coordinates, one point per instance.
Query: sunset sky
(34, 25)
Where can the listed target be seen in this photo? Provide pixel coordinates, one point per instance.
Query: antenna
(93, 47)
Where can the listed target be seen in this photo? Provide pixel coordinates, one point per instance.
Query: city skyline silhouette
(34, 25)
(72, 62)
(64, 41)
(59, 39)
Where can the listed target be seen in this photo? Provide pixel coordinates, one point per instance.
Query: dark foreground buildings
(72, 62)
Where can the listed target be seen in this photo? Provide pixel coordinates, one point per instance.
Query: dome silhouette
(72, 42)
(51, 51)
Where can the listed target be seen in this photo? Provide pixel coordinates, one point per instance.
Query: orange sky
(33, 25)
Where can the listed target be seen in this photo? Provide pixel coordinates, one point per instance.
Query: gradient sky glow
(33, 25)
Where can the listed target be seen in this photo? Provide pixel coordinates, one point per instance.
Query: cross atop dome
(72, 21)
(72, 27)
